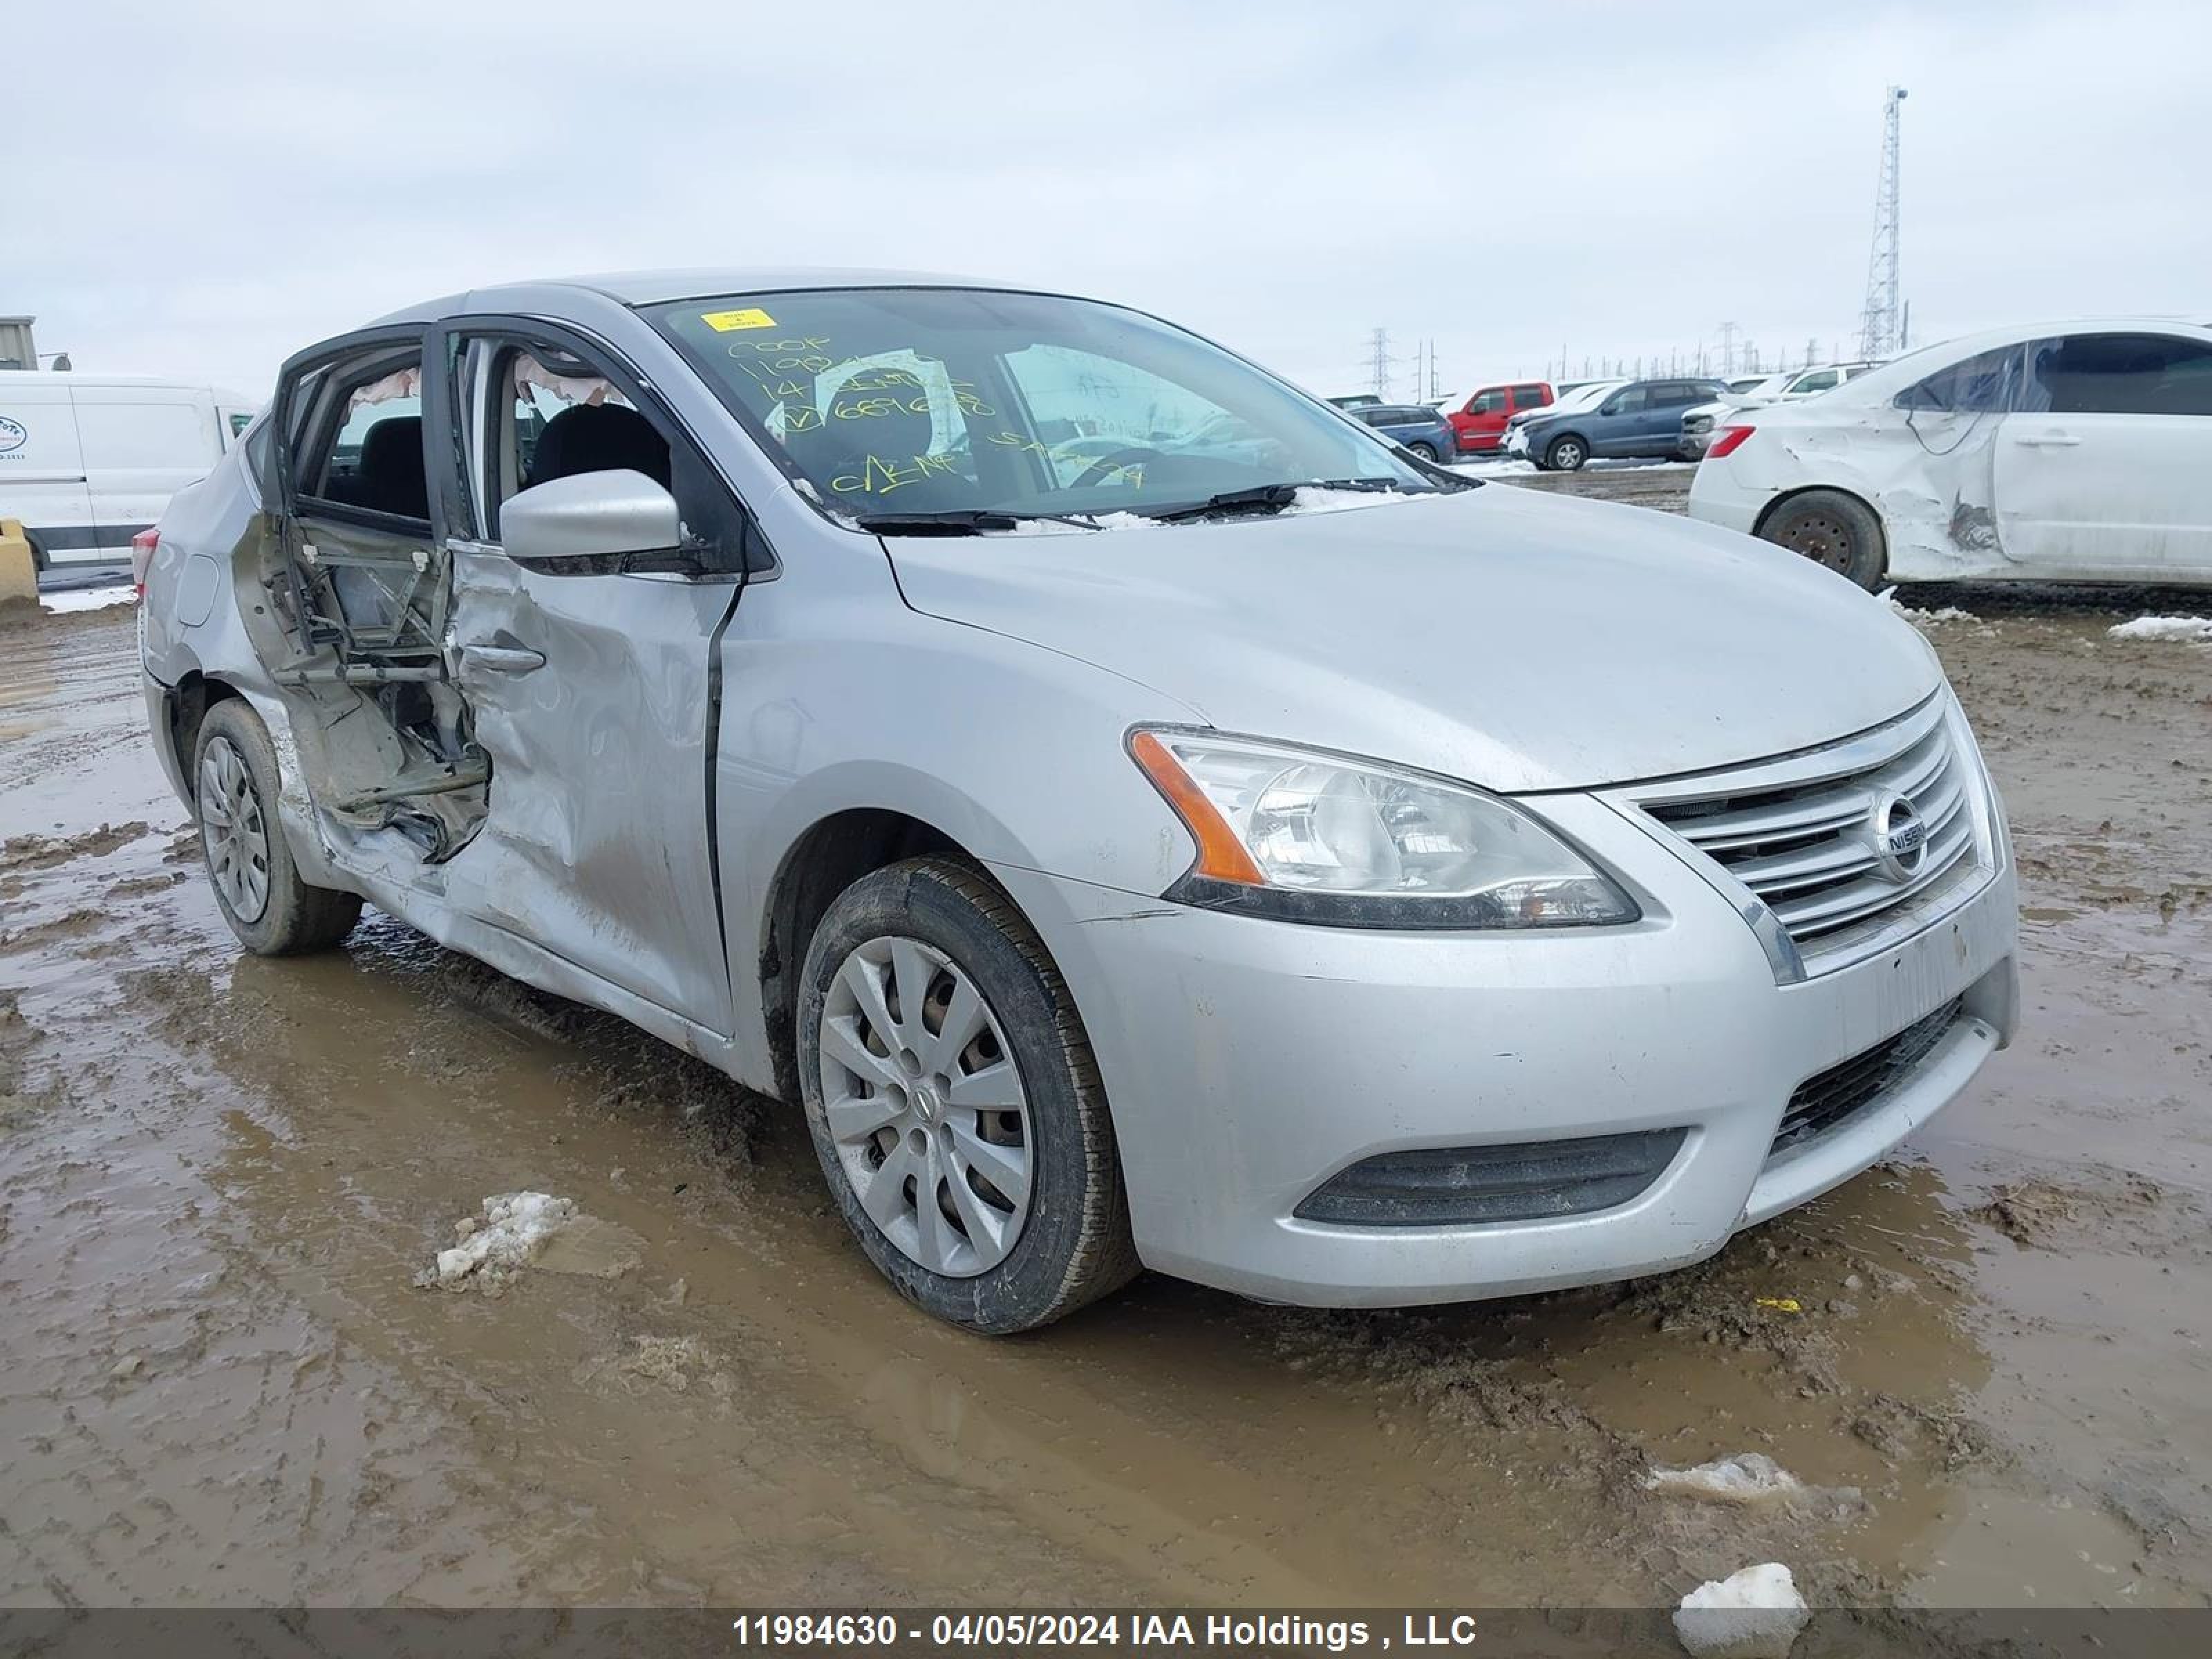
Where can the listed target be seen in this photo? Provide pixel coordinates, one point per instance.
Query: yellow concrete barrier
(19, 577)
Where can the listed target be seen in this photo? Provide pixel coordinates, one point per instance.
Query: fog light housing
(1521, 1181)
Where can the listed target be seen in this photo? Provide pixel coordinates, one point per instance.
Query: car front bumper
(1247, 1061)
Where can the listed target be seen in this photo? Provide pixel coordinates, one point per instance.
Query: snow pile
(1746, 1477)
(2190, 630)
(86, 598)
(1949, 613)
(1319, 498)
(514, 1228)
(1752, 1614)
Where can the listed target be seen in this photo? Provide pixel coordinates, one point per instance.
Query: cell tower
(1881, 332)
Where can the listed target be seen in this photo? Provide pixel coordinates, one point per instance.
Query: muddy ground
(219, 1178)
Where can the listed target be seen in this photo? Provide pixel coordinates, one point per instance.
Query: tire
(257, 886)
(1425, 451)
(992, 1259)
(1832, 529)
(1565, 453)
(39, 562)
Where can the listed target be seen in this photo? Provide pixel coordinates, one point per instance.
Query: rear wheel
(954, 1103)
(1566, 455)
(1426, 451)
(273, 911)
(1830, 529)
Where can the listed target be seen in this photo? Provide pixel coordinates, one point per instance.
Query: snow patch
(514, 1228)
(2191, 631)
(1949, 613)
(1746, 1478)
(1319, 498)
(1752, 1614)
(86, 598)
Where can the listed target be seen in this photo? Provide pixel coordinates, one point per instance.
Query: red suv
(1481, 420)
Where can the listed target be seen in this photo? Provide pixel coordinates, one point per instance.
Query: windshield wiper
(962, 521)
(1272, 498)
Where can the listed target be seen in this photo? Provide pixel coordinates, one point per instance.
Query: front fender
(1012, 751)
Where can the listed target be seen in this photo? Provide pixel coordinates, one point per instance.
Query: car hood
(1518, 641)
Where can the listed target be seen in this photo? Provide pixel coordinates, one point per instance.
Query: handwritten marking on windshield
(880, 476)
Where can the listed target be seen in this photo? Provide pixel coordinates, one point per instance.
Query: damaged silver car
(1138, 814)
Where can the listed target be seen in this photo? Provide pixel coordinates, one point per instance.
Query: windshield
(952, 402)
(1583, 397)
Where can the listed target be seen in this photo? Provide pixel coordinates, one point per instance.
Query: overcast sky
(199, 189)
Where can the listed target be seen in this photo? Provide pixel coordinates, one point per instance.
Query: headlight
(1306, 836)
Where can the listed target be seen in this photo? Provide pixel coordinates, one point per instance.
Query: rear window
(1980, 384)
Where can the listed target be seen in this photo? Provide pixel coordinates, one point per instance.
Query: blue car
(1421, 429)
(1644, 418)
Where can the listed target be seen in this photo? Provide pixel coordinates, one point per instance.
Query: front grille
(1802, 834)
(1831, 1098)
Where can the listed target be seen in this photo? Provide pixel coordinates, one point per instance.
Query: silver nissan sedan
(1143, 817)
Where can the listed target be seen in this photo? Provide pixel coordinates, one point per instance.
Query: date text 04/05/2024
(1024, 1630)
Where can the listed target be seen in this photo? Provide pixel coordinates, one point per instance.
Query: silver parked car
(1272, 860)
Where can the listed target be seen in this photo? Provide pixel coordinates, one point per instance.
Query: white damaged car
(2072, 452)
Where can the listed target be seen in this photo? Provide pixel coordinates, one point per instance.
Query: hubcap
(924, 1107)
(232, 831)
(1820, 539)
(1568, 456)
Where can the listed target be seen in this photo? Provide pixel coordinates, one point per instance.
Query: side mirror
(1610, 406)
(621, 521)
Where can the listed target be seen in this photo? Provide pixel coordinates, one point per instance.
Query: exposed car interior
(596, 438)
(364, 601)
(388, 476)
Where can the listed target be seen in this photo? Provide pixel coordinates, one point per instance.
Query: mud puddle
(221, 1178)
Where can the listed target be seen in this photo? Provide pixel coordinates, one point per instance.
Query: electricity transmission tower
(1728, 350)
(1378, 346)
(1881, 326)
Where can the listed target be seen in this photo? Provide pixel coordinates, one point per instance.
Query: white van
(87, 461)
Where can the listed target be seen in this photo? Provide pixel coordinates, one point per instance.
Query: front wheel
(1830, 529)
(271, 909)
(954, 1103)
(1566, 455)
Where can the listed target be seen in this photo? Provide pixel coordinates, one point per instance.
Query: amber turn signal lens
(1220, 854)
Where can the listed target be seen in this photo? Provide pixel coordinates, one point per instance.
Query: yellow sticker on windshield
(728, 322)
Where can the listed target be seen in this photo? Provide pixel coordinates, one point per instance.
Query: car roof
(645, 287)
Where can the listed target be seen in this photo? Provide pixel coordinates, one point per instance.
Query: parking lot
(222, 1178)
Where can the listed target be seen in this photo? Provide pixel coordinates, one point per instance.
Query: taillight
(141, 555)
(1729, 442)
